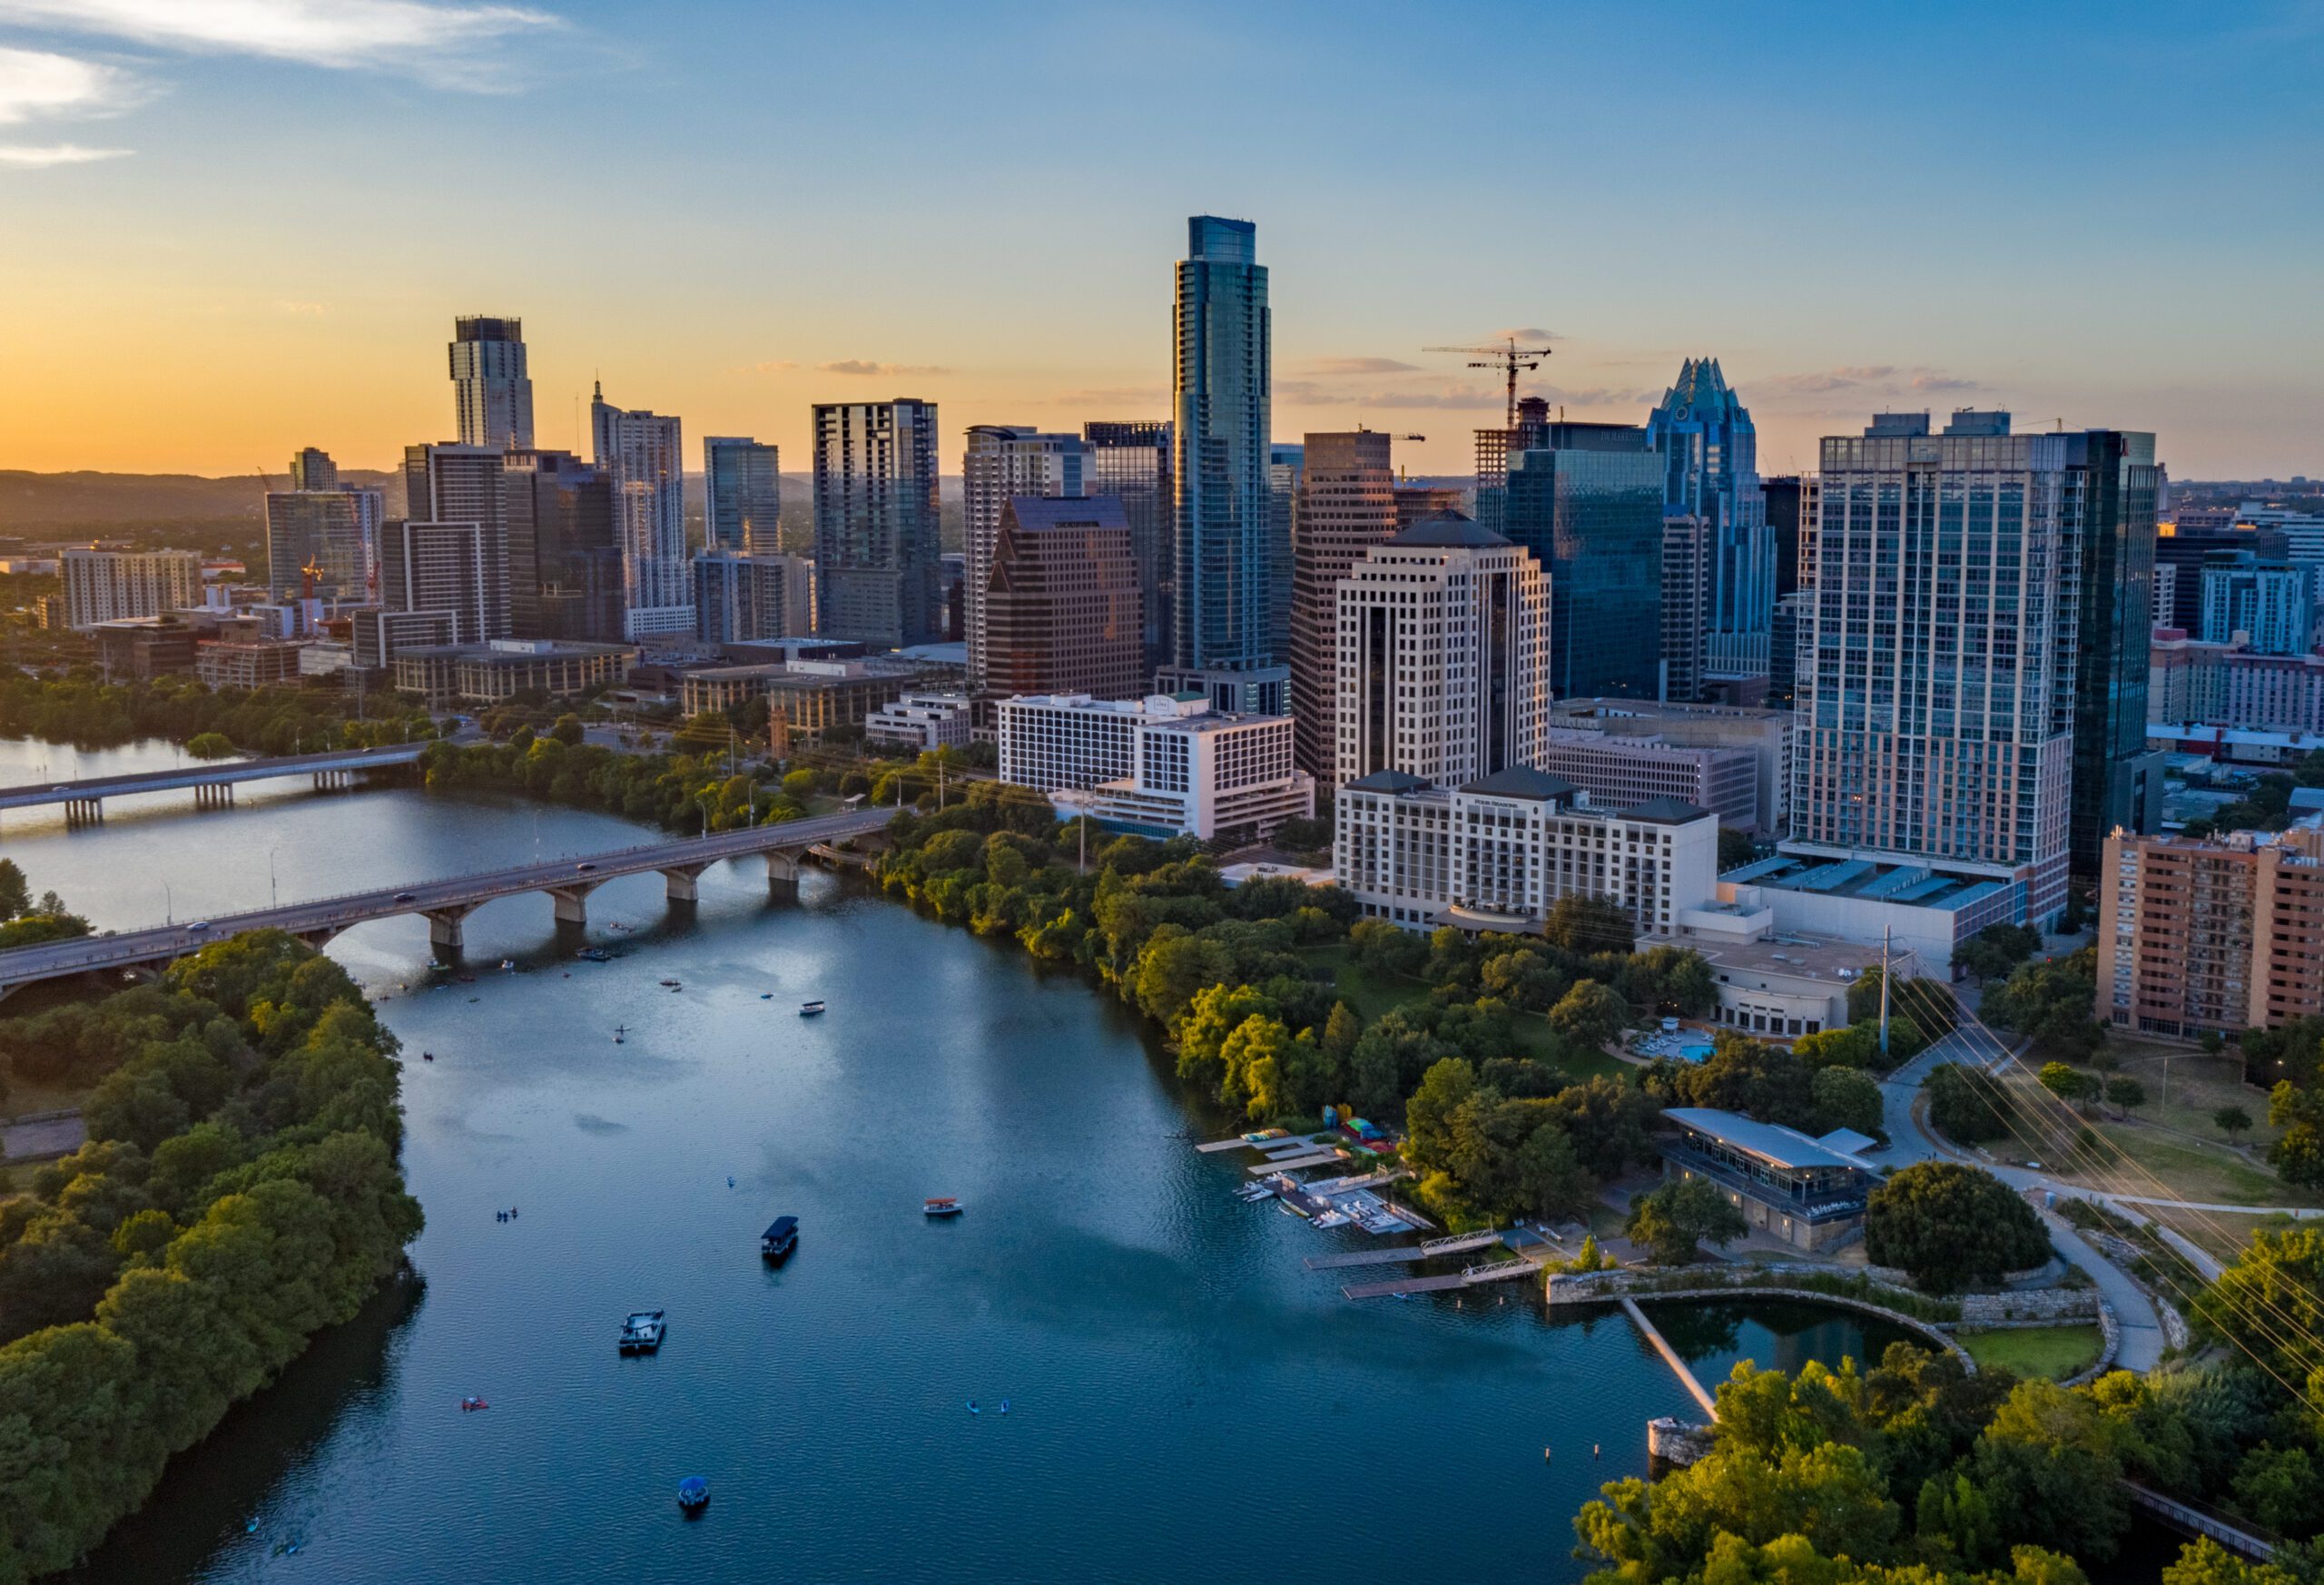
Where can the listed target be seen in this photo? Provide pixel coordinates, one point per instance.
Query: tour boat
(808, 1010)
(943, 1205)
(642, 1332)
(781, 1237)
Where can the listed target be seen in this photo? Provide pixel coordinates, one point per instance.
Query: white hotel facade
(1165, 765)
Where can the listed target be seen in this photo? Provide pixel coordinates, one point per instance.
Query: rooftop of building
(1389, 782)
(1183, 711)
(1448, 531)
(1036, 514)
(1797, 957)
(1902, 882)
(1785, 1149)
(515, 651)
(1522, 781)
(1665, 811)
(1646, 711)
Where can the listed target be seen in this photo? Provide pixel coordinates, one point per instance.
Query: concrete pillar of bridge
(683, 882)
(80, 811)
(573, 902)
(782, 873)
(444, 925)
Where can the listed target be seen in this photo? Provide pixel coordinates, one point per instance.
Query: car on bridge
(405, 897)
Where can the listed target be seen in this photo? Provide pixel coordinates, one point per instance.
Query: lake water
(1186, 1400)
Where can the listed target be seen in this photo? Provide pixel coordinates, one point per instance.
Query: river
(1185, 1401)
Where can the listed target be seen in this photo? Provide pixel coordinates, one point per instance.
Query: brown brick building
(1061, 610)
(2201, 935)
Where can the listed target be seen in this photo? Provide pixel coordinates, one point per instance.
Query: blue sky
(239, 226)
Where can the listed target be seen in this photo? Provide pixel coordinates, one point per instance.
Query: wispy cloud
(435, 42)
(302, 309)
(884, 370)
(1360, 366)
(33, 157)
(1147, 400)
(1930, 380)
(769, 366)
(1526, 333)
(1866, 377)
(34, 83)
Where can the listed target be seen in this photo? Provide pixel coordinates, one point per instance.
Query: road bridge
(212, 783)
(567, 881)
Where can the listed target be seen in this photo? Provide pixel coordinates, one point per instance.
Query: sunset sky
(228, 228)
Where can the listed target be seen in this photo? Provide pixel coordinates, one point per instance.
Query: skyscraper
(1936, 674)
(1347, 504)
(1497, 451)
(492, 395)
(1286, 465)
(565, 574)
(876, 522)
(457, 571)
(1710, 472)
(2112, 485)
(1003, 462)
(1060, 608)
(1441, 631)
(1221, 383)
(742, 495)
(1132, 464)
(643, 454)
(1586, 500)
(1686, 548)
(739, 597)
(316, 523)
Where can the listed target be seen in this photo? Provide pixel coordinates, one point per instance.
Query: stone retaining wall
(2110, 1333)
(1601, 1291)
(2035, 1307)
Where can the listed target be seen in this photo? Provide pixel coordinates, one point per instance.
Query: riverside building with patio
(1801, 1192)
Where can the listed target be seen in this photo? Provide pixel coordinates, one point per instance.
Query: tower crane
(1507, 356)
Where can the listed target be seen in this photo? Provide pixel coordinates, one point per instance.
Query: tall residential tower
(643, 454)
(492, 394)
(877, 551)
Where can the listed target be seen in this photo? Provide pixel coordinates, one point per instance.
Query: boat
(428, 1055)
(694, 1494)
(1264, 1135)
(594, 954)
(781, 1237)
(940, 1205)
(642, 1332)
(808, 1010)
(469, 1406)
(619, 1030)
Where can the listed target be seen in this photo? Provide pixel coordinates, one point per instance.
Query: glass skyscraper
(1224, 556)
(877, 551)
(1711, 458)
(1131, 462)
(2111, 483)
(1588, 503)
(742, 495)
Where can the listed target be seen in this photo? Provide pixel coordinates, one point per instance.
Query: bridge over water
(212, 783)
(447, 903)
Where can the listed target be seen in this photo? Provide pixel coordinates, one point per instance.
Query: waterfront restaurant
(1797, 1190)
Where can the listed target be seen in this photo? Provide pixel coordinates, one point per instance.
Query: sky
(231, 227)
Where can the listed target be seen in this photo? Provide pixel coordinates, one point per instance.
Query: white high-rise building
(492, 395)
(1935, 688)
(1004, 461)
(1163, 765)
(1443, 650)
(644, 454)
(111, 586)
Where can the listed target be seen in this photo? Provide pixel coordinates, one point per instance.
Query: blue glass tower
(1586, 500)
(1710, 460)
(1224, 558)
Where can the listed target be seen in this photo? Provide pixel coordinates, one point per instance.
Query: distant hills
(60, 502)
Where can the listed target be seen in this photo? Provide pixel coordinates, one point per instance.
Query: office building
(1131, 462)
(455, 570)
(103, 584)
(492, 394)
(1763, 736)
(1416, 503)
(1004, 462)
(1790, 501)
(1498, 450)
(1286, 466)
(565, 563)
(1709, 454)
(485, 675)
(1619, 771)
(316, 529)
(1939, 713)
(1221, 383)
(742, 491)
(2166, 593)
(643, 456)
(1347, 504)
(1060, 607)
(376, 633)
(1783, 649)
(2192, 684)
(2111, 483)
(740, 597)
(1686, 558)
(1161, 766)
(876, 522)
(1586, 500)
(1497, 853)
(1801, 1192)
(143, 647)
(2268, 607)
(246, 663)
(2197, 936)
(916, 722)
(2191, 541)
(1441, 631)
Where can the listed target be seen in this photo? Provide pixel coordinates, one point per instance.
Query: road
(2142, 1338)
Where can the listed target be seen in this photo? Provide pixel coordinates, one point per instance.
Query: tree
(2271, 1303)
(1551, 1182)
(1589, 1015)
(1951, 1226)
(2068, 1084)
(211, 745)
(2231, 1121)
(2048, 1469)
(2051, 1003)
(1847, 1098)
(1996, 951)
(1380, 946)
(1669, 1222)
(15, 893)
(1428, 1115)
(568, 730)
(1736, 849)
(1965, 1104)
(1585, 924)
(2127, 1094)
(2299, 1151)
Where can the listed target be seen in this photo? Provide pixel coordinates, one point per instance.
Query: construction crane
(1508, 356)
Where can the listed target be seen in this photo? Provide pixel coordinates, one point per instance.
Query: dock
(1405, 1252)
(1468, 1277)
(1670, 1356)
(1275, 1164)
(1239, 1143)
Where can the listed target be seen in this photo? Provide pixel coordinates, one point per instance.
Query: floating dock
(1275, 1164)
(1468, 1277)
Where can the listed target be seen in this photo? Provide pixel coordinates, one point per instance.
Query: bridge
(567, 881)
(212, 783)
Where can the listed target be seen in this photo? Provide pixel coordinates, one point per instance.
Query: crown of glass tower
(492, 394)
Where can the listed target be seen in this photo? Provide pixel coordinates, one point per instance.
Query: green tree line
(81, 709)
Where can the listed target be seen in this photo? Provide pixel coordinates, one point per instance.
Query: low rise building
(2203, 936)
(2190, 683)
(1499, 853)
(1919, 906)
(1165, 765)
(1719, 731)
(246, 663)
(1781, 987)
(145, 646)
(1799, 1191)
(921, 721)
(804, 697)
(498, 672)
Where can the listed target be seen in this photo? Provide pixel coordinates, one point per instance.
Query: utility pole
(1884, 993)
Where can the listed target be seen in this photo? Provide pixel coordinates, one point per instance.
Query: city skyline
(158, 256)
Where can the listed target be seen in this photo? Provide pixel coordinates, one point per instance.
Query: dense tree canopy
(1670, 1220)
(1951, 1226)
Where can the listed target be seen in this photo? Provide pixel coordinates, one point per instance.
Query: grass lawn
(1372, 994)
(25, 1097)
(2034, 1352)
(2184, 1088)
(2222, 1236)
